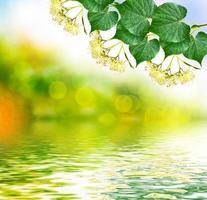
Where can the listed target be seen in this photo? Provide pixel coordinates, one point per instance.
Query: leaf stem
(197, 27)
(201, 25)
(115, 4)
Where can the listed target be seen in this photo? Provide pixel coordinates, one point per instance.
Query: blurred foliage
(52, 92)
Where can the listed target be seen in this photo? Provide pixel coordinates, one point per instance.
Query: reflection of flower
(173, 70)
(159, 196)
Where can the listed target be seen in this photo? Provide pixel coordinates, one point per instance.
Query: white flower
(175, 69)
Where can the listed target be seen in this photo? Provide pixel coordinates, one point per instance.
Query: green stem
(115, 4)
(201, 25)
(198, 26)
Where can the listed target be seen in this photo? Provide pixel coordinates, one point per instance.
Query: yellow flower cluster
(71, 27)
(186, 77)
(97, 50)
(57, 11)
(164, 77)
(116, 65)
(59, 15)
(100, 54)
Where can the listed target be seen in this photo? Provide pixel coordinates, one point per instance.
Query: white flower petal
(193, 63)
(73, 13)
(167, 62)
(106, 35)
(70, 4)
(159, 58)
(175, 66)
(115, 50)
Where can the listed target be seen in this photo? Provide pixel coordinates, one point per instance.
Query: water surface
(85, 161)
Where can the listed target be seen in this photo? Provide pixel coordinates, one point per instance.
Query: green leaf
(124, 35)
(145, 50)
(95, 5)
(103, 20)
(176, 48)
(197, 47)
(135, 15)
(167, 23)
(104, 2)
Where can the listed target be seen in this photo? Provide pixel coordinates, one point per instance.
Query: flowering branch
(140, 34)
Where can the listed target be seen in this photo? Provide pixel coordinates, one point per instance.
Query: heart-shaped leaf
(124, 35)
(176, 48)
(95, 5)
(145, 50)
(167, 23)
(197, 47)
(103, 20)
(104, 2)
(135, 15)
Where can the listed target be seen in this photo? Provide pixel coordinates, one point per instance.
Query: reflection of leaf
(135, 14)
(197, 47)
(145, 50)
(95, 5)
(124, 35)
(167, 23)
(103, 20)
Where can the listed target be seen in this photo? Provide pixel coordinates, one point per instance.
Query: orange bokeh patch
(12, 115)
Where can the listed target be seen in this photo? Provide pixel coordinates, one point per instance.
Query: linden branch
(198, 26)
